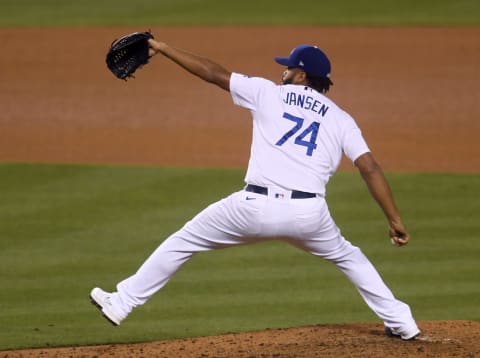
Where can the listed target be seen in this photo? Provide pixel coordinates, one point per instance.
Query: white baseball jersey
(299, 135)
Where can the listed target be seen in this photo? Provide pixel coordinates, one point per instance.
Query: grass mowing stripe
(247, 12)
(67, 228)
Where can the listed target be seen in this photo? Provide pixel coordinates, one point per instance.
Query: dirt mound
(438, 339)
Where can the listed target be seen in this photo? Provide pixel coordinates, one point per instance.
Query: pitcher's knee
(345, 252)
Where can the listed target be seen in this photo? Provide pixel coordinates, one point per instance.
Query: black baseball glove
(128, 53)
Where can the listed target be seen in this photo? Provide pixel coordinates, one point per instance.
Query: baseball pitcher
(299, 137)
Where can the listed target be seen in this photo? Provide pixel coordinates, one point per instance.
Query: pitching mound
(438, 339)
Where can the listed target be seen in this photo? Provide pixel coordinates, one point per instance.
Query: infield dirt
(413, 91)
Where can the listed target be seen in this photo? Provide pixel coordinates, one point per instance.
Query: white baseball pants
(246, 218)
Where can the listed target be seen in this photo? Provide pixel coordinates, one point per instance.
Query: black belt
(296, 194)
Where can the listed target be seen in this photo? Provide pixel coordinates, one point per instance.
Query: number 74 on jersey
(307, 138)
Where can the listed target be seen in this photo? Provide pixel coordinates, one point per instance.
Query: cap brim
(282, 60)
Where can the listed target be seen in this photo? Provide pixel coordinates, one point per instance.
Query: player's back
(298, 135)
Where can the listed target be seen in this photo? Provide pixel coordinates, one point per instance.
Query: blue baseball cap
(309, 58)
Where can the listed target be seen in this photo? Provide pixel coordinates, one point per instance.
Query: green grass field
(246, 12)
(68, 228)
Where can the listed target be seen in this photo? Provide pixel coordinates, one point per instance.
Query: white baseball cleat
(102, 300)
(406, 335)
